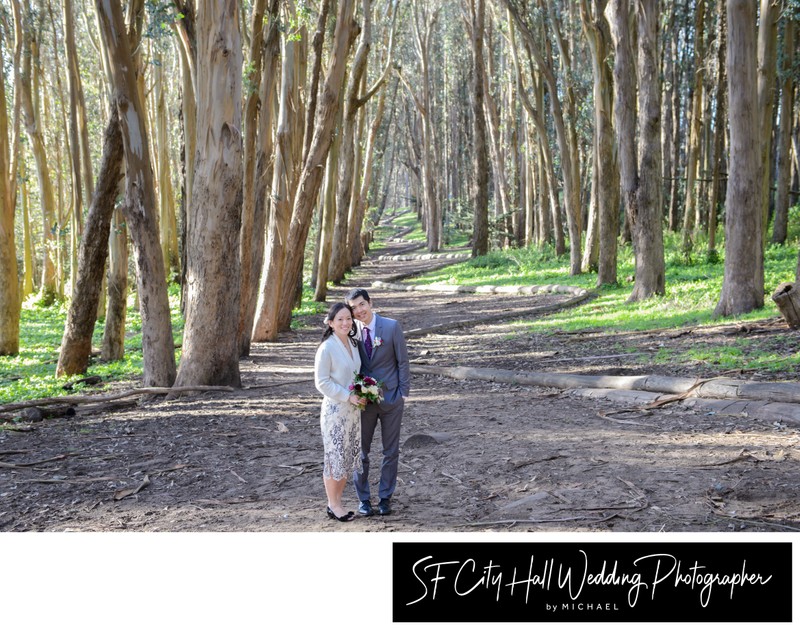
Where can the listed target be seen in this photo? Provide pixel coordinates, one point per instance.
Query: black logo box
(588, 582)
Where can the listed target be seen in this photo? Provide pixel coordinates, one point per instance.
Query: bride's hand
(357, 402)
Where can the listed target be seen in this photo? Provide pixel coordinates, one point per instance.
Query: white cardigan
(334, 369)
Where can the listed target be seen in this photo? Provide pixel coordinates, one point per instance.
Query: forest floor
(476, 456)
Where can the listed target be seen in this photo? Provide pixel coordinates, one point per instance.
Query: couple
(357, 340)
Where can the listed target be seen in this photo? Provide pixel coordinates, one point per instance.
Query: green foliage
(31, 374)
(693, 291)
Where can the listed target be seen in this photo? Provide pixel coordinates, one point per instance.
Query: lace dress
(340, 421)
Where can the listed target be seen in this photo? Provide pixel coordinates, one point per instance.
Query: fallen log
(718, 388)
(101, 398)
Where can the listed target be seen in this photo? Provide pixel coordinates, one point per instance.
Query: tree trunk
(313, 170)
(480, 165)
(328, 213)
(564, 138)
(767, 69)
(743, 280)
(251, 269)
(787, 299)
(28, 282)
(696, 124)
(113, 348)
(783, 183)
(646, 224)
(140, 205)
(76, 345)
(210, 345)
(26, 24)
(720, 128)
(283, 194)
(249, 275)
(596, 30)
(639, 178)
(340, 257)
(166, 199)
(73, 86)
(9, 284)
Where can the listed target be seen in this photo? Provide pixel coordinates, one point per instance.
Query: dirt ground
(476, 456)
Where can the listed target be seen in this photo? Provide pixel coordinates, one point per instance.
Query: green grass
(31, 374)
(692, 293)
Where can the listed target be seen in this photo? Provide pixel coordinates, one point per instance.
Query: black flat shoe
(384, 507)
(342, 519)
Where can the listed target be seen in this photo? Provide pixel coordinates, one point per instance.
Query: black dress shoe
(365, 509)
(342, 519)
(384, 507)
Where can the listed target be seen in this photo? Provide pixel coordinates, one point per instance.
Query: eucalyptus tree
(313, 165)
(210, 353)
(564, 136)
(28, 21)
(640, 167)
(598, 37)
(9, 284)
(140, 203)
(424, 18)
(784, 138)
(480, 193)
(743, 280)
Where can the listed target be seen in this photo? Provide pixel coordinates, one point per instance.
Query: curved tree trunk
(743, 281)
(76, 345)
(347, 187)
(210, 345)
(140, 205)
(313, 166)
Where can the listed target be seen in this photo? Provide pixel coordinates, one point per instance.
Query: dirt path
(476, 456)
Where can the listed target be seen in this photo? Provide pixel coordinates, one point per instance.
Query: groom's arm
(401, 354)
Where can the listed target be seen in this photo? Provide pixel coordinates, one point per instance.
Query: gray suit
(389, 363)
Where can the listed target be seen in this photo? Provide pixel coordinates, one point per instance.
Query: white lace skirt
(341, 438)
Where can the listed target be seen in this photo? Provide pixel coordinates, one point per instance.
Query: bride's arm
(323, 376)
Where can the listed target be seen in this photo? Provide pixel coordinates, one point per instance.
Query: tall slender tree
(743, 281)
(9, 284)
(480, 167)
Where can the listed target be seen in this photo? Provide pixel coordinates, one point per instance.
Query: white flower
(378, 342)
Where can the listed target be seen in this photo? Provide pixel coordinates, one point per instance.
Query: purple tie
(367, 343)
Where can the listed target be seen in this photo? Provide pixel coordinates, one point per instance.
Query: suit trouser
(390, 438)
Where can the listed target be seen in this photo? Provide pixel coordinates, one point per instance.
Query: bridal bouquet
(366, 387)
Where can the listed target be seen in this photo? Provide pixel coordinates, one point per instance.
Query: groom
(382, 347)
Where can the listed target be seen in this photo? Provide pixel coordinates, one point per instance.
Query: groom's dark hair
(357, 293)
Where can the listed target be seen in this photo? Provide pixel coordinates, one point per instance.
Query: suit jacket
(389, 362)
(334, 369)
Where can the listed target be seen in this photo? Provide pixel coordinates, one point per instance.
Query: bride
(336, 362)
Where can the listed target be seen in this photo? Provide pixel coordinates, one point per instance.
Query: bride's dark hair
(332, 312)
